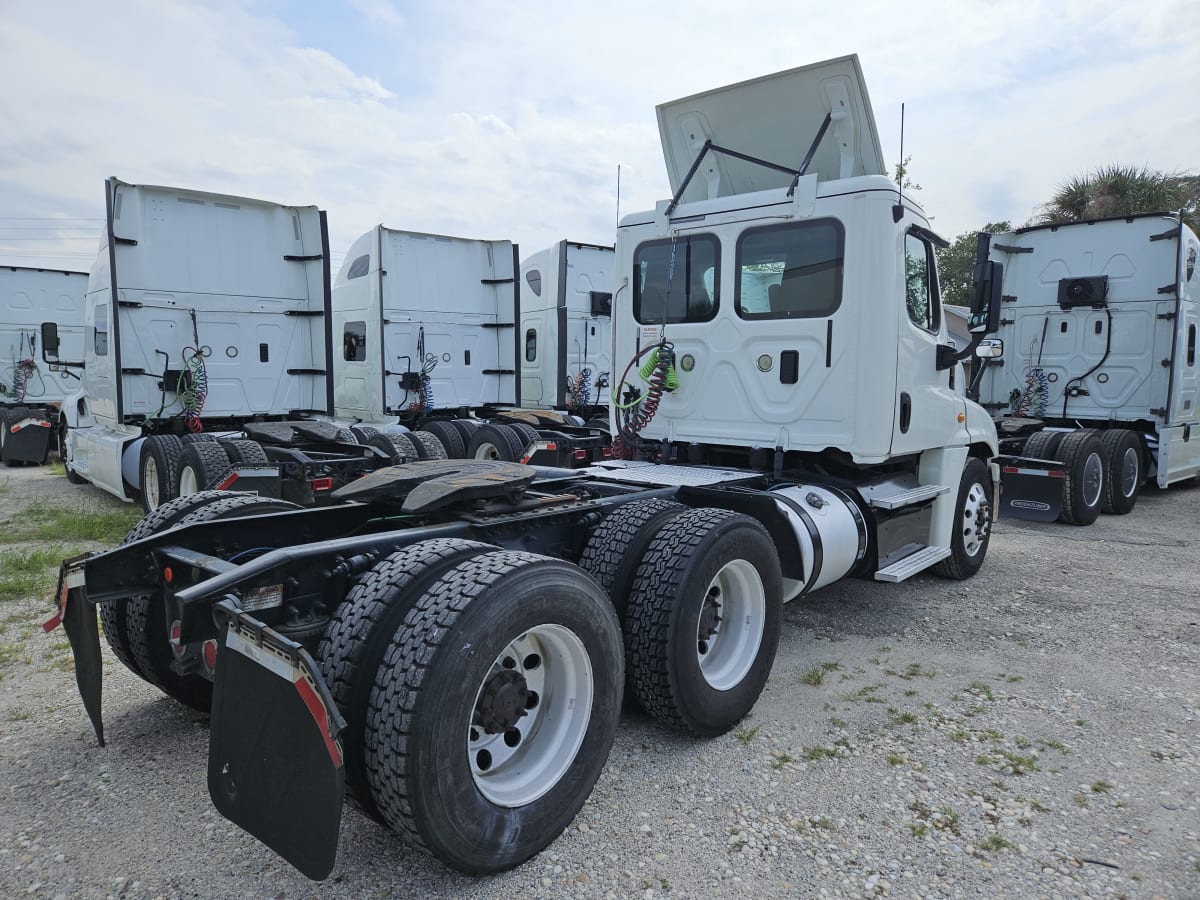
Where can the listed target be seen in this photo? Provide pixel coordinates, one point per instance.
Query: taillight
(208, 653)
(581, 454)
(176, 642)
(322, 484)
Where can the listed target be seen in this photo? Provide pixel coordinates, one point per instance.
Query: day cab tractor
(447, 645)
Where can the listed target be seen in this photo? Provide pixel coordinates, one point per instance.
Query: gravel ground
(1031, 732)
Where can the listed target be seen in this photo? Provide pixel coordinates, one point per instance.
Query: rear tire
(364, 433)
(466, 428)
(158, 470)
(1124, 469)
(147, 625)
(362, 629)
(1043, 445)
(1083, 489)
(113, 615)
(202, 466)
(617, 544)
(482, 758)
(527, 433)
(241, 452)
(972, 529)
(450, 437)
(398, 447)
(495, 441)
(703, 620)
(428, 446)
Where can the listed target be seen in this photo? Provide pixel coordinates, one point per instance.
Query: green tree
(956, 262)
(1119, 190)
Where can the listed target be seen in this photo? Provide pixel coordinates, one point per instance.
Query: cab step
(915, 562)
(909, 497)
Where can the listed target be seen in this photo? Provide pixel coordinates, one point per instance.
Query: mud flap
(1030, 488)
(274, 762)
(80, 621)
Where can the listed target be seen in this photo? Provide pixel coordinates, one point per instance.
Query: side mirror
(49, 341)
(990, 348)
(985, 298)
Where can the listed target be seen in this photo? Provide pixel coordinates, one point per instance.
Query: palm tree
(1117, 190)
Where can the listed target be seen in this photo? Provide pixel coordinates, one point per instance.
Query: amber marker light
(962, 417)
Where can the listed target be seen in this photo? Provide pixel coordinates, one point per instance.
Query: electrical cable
(1079, 379)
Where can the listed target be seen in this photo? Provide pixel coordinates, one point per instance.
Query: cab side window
(676, 281)
(920, 283)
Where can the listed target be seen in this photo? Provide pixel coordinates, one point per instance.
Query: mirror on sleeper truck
(985, 298)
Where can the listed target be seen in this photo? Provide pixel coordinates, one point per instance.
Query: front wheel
(495, 709)
(972, 528)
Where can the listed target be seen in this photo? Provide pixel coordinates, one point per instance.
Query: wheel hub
(710, 617)
(502, 702)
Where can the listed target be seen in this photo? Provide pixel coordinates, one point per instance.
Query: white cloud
(509, 120)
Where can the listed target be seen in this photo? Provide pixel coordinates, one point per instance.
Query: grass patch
(816, 753)
(1080, 800)
(1101, 787)
(816, 675)
(1020, 764)
(4, 485)
(865, 694)
(746, 735)
(57, 468)
(994, 843)
(836, 722)
(46, 524)
(980, 689)
(919, 829)
(1053, 745)
(28, 574)
(781, 760)
(895, 759)
(19, 715)
(10, 655)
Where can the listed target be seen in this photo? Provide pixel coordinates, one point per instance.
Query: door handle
(905, 412)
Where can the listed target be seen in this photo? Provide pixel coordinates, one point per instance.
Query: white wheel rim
(1130, 463)
(1093, 479)
(187, 481)
(487, 450)
(150, 482)
(730, 627)
(548, 671)
(977, 520)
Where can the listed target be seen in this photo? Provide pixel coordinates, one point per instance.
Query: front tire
(495, 709)
(972, 530)
(702, 625)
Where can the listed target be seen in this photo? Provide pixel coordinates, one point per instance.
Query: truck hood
(774, 118)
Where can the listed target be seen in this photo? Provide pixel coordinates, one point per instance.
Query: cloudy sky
(509, 120)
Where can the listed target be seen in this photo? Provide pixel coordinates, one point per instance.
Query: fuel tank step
(915, 562)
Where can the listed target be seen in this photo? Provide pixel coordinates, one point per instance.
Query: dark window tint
(534, 279)
(919, 290)
(531, 345)
(791, 271)
(676, 281)
(354, 342)
(360, 266)
(101, 336)
(1191, 345)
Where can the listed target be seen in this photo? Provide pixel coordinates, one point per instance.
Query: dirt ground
(1034, 731)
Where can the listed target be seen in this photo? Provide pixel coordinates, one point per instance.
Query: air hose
(658, 371)
(192, 396)
(580, 390)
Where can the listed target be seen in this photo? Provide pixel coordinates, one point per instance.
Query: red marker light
(322, 484)
(168, 575)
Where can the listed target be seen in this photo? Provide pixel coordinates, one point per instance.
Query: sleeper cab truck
(428, 351)
(205, 353)
(1100, 371)
(31, 387)
(447, 645)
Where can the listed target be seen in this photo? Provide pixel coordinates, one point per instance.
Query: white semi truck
(427, 331)
(448, 644)
(566, 328)
(206, 352)
(1100, 369)
(31, 388)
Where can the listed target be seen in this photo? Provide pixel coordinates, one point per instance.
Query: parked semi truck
(566, 328)
(206, 352)
(1100, 371)
(31, 388)
(428, 326)
(448, 644)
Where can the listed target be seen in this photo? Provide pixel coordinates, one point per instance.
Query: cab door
(927, 406)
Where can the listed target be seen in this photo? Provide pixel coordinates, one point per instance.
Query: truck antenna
(618, 195)
(898, 209)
